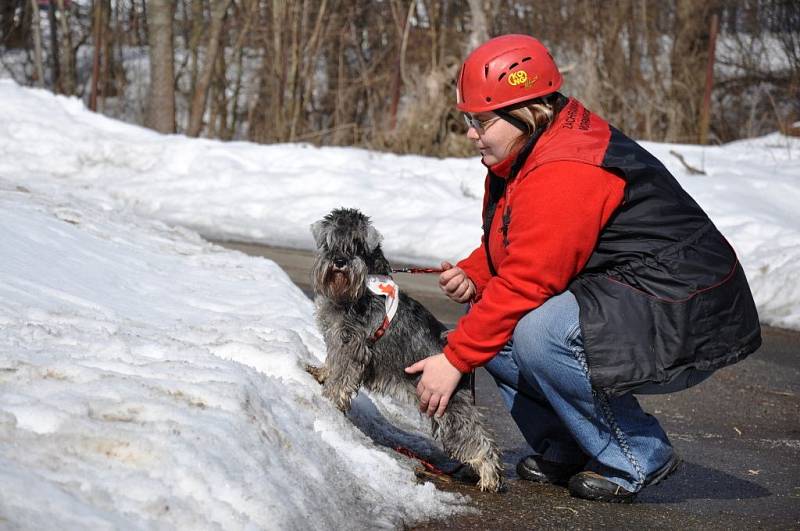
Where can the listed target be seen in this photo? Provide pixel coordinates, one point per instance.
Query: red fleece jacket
(559, 202)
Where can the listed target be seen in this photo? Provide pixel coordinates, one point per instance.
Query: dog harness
(384, 286)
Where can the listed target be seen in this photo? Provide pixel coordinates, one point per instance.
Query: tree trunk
(69, 56)
(237, 50)
(687, 62)
(200, 97)
(37, 43)
(479, 32)
(107, 73)
(54, 51)
(97, 31)
(136, 16)
(14, 33)
(197, 28)
(400, 77)
(161, 98)
(705, 111)
(7, 25)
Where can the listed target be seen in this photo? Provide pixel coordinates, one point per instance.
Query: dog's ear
(317, 229)
(374, 238)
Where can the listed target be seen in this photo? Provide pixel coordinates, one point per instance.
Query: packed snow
(151, 379)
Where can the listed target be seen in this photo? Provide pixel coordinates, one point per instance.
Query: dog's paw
(320, 374)
(490, 474)
(342, 402)
(340, 397)
(492, 485)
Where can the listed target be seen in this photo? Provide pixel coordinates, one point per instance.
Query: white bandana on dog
(384, 286)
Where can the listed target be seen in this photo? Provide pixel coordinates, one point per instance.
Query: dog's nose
(340, 262)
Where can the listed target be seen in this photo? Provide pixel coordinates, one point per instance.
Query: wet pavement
(738, 434)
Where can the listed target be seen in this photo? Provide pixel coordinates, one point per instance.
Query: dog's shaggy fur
(348, 249)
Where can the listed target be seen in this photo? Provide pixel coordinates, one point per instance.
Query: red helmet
(506, 70)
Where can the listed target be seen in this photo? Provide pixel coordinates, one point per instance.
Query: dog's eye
(340, 262)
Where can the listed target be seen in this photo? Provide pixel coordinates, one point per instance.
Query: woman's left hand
(437, 384)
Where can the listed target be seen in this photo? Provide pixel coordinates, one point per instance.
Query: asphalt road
(738, 434)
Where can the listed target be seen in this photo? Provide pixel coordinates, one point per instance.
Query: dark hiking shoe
(592, 486)
(533, 468)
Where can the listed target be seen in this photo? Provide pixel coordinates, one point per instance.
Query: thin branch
(692, 170)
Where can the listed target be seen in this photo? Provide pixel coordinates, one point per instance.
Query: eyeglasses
(479, 125)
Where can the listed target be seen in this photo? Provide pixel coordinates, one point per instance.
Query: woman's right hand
(456, 284)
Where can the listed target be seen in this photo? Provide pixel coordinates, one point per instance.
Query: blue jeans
(543, 377)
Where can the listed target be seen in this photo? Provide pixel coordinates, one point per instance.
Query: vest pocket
(679, 272)
(632, 337)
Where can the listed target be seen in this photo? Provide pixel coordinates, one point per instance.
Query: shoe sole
(595, 495)
(659, 476)
(665, 471)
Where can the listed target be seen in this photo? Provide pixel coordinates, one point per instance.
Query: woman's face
(493, 136)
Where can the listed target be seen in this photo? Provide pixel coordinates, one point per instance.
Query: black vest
(663, 290)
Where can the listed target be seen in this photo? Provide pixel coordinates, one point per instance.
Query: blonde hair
(538, 114)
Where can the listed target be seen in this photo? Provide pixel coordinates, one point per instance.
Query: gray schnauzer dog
(367, 347)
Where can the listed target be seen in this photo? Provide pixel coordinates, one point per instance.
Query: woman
(598, 278)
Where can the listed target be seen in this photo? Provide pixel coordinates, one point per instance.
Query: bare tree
(97, 32)
(37, 43)
(200, 98)
(68, 85)
(14, 29)
(688, 59)
(382, 74)
(55, 60)
(479, 31)
(160, 114)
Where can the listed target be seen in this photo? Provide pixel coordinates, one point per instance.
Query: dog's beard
(337, 284)
(340, 285)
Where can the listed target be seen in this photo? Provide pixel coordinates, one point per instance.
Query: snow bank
(149, 379)
(428, 209)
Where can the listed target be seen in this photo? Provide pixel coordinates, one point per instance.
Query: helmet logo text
(520, 77)
(517, 78)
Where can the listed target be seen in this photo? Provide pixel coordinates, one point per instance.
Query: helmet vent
(485, 71)
(488, 99)
(525, 59)
(513, 65)
(501, 76)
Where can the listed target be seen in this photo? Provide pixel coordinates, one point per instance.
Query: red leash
(430, 467)
(418, 270)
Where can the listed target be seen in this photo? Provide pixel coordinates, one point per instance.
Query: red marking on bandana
(388, 289)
